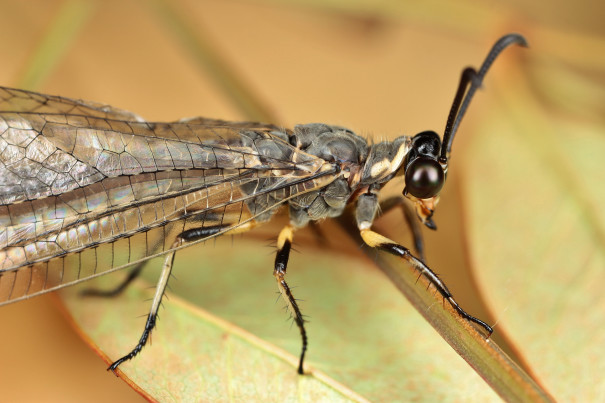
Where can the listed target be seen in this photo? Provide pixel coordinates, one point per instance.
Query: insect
(80, 179)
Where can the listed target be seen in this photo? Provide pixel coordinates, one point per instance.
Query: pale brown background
(381, 71)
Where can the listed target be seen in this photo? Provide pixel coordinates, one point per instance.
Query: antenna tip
(513, 38)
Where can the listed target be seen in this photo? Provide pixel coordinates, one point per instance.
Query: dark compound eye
(424, 178)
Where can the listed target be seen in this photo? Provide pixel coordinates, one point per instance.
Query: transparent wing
(82, 195)
(47, 152)
(16, 100)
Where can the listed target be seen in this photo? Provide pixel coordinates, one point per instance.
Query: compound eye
(424, 178)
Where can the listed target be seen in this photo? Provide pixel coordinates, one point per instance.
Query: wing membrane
(46, 151)
(16, 100)
(80, 181)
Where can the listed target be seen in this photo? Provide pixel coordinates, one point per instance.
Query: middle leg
(284, 245)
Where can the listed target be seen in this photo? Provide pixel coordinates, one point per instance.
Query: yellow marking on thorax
(398, 160)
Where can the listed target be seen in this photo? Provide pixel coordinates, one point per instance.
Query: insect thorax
(361, 166)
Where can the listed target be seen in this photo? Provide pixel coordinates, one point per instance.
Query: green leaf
(364, 336)
(198, 355)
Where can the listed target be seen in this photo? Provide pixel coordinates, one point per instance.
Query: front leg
(284, 245)
(367, 206)
(410, 217)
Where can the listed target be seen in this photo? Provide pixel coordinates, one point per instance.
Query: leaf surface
(363, 334)
(536, 225)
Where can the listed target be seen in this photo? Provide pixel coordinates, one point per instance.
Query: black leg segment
(378, 241)
(284, 245)
(190, 235)
(114, 292)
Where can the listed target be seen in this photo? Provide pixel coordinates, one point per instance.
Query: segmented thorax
(361, 166)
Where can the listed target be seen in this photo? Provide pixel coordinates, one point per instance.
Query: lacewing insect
(77, 178)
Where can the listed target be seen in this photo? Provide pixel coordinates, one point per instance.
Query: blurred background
(382, 69)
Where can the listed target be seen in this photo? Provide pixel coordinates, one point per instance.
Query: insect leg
(132, 275)
(367, 205)
(155, 305)
(410, 218)
(375, 240)
(284, 244)
(186, 236)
